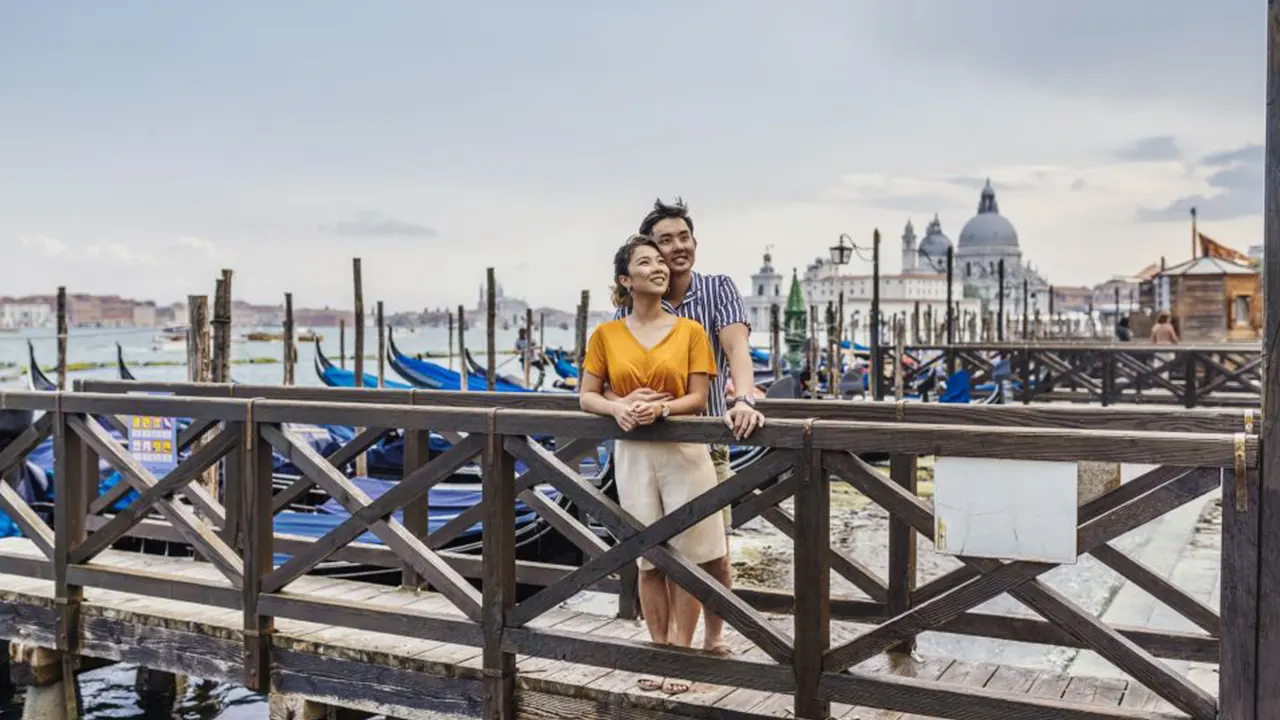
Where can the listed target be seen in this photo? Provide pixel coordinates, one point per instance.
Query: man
(714, 302)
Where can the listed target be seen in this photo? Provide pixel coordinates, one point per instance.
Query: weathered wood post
(491, 329)
(61, 310)
(258, 551)
(77, 466)
(362, 460)
(775, 341)
(833, 350)
(899, 352)
(222, 329)
(583, 313)
(499, 569)
(877, 357)
(812, 561)
(342, 343)
(290, 344)
(903, 470)
(1236, 668)
(450, 315)
(382, 346)
(542, 332)
(529, 354)
(463, 373)
(200, 365)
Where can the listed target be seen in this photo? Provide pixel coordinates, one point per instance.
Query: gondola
(121, 368)
(36, 379)
(315, 513)
(432, 376)
(333, 376)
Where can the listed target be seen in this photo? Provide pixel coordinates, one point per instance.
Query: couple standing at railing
(676, 339)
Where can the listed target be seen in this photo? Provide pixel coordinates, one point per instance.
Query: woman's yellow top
(614, 353)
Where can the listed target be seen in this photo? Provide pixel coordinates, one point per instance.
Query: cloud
(1158, 148)
(1235, 181)
(117, 253)
(372, 224)
(198, 244)
(50, 246)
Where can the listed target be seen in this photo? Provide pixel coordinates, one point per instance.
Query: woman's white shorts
(655, 478)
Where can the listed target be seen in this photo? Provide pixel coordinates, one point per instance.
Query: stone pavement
(1185, 548)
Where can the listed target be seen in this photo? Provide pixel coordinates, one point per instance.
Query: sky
(146, 144)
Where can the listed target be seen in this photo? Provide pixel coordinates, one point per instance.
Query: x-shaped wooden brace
(10, 501)
(364, 440)
(765, 502)
(1019, 580)
(199, 535)
(1238, 377)
(1068, 372)
(556, 516)
(175, 480)
(1140, 371)
(376, 517)
(635, 539)
(186, 438)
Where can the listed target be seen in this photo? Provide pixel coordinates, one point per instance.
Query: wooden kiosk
(1212, 300)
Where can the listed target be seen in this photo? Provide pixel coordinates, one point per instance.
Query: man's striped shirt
(713, 301)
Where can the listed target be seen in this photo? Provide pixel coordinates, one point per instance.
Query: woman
(655, 349)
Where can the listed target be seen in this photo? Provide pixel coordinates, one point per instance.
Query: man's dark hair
(662, 211)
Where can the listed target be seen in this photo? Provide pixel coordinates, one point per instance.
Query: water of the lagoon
(108, 693)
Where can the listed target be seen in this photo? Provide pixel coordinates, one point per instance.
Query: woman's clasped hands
(642, 407)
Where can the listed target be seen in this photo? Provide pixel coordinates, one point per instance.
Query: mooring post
(450, 316)
(342, 343)
(222, 329)
(490, 329)
(775, 341)
(61, 310)
(1267, 627)
(528, 351)
(362, 460)
(583, 313)
(463, 372)
(382, 346)
(290, 344)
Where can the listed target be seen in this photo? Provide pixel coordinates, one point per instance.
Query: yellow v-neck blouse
(614, 354)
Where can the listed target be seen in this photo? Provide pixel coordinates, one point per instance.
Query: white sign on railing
(1006, 509)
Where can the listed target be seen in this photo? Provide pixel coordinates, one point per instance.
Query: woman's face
(649, 274)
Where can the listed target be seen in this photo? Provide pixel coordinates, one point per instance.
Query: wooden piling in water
(382, 347)
(290, 344)
(462, 350)
(490, 329)
(61, 310)
(362, 460)
(342, 343)
(584, 305)
(450, 351)
(775, 341)
(527, 359)
(222, 329)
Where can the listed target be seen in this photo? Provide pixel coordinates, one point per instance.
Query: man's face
(676, 243)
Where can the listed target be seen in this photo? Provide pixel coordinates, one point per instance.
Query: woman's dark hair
(1163, 318)
(622, 267)
(662, 211)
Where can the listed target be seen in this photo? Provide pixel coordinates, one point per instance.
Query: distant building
(24, 313)
(765, 291)
(508, 312)
(987, 239)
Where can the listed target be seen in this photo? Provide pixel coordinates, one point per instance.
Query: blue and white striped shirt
(713, 301)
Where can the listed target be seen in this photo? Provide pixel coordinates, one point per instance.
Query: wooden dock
(407, 677)
(241, 613)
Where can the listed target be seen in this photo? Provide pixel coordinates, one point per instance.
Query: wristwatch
(666, 410)
(748, 399)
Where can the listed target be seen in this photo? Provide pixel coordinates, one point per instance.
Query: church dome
(934, 246)
(988, 230)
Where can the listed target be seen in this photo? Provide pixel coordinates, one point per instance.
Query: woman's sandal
(675, 687)
(649, 684)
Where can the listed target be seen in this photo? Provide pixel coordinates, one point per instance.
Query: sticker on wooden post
(1006, 509)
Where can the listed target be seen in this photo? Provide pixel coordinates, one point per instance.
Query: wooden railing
(1112, 373)
(1194, 450)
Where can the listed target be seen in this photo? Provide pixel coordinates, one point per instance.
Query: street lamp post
(841, 253)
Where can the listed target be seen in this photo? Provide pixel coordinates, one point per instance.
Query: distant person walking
(1163, 332)
(1123, 332)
